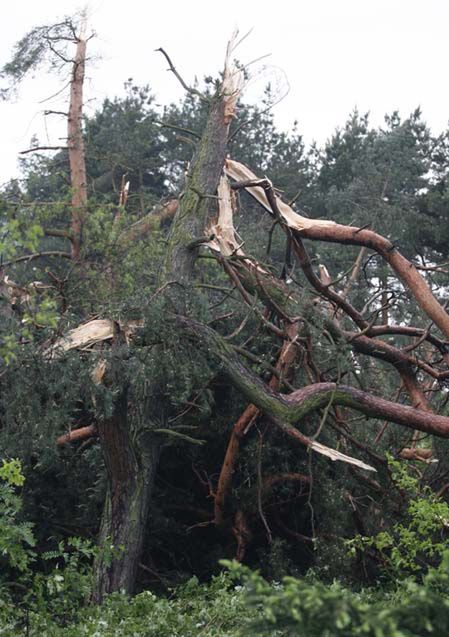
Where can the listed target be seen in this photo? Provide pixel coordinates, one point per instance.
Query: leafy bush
(312, 609)
(419, 540)
(16, 537)
(214, 610)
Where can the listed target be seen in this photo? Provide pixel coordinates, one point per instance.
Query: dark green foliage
(124, 140)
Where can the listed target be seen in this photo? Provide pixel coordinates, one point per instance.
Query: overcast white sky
(377, 55)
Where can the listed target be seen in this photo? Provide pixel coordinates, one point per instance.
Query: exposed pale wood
(325, 277)
(89, 334)
(239, 172)
(333, 454)
(76, 434)
(225, 239)
(232, 84)
(76, 143)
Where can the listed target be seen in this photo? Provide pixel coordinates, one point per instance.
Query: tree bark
(76, 146)
(131, 472)
(77, 434)
(200, 192)
(131, 460)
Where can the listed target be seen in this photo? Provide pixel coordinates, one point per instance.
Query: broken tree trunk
(75, 139)
(132, 460)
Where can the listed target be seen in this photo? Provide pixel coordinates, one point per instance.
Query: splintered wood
(337, 455)
(89, 334)
(292, 219)
(226, 242)
(232, 80)
(225, 239)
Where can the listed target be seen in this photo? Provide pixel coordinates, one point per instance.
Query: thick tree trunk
(131, 460)
(200, 192)
(123, 529)
(130, 468)
(125, 513)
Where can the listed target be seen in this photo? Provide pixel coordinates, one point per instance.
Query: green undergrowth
(241, 603)
(44, 594)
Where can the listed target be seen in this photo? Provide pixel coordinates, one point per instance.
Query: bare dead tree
(75, 139)
(48, 45)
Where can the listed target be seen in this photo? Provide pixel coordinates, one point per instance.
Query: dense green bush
(214, 610)
(16, 536)
(420, 539)
(312, 609)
